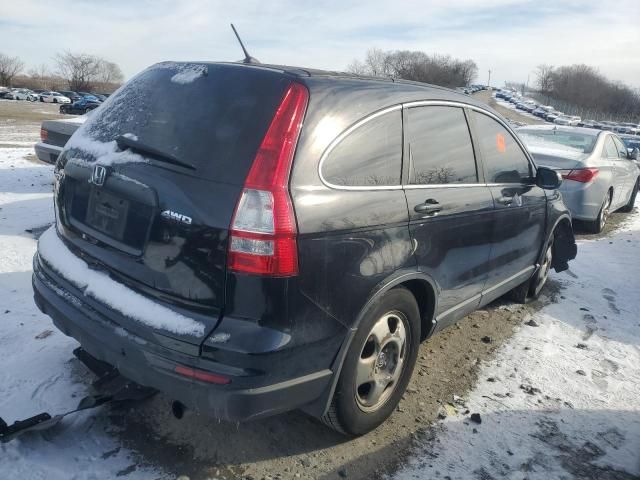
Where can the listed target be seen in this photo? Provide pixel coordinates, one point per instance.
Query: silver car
(600, 175)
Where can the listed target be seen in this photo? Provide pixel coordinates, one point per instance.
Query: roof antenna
(247, 58)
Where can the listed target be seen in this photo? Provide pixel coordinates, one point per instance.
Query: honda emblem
(99, 175)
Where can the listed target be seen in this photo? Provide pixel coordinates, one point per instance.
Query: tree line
(586, 89)
(73, 71)
(436, 69)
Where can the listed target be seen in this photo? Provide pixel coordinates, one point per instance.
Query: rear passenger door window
(504, 160)
(440, 146)
(369, 156)
(610, 150)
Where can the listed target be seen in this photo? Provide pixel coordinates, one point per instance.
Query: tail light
(44, 134)
(583, 175)
(263, 237)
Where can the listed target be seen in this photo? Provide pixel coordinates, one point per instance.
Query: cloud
(510, 37)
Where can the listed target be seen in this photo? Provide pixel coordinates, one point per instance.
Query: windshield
(579, 142)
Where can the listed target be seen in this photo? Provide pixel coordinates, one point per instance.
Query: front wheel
(530, 290)
(378, 365)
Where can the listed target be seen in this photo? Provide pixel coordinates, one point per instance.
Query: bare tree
(84, 71)
(418, 66)
(544, 77)
(9, 68)
(109, 72)
(41, 76)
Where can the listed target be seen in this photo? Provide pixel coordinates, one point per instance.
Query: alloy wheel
(381, 361)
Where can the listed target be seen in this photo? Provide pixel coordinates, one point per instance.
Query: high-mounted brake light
(263, 229)
(583, 175)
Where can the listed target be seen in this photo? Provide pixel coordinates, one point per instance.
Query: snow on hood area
(99, 286)
(561, 400)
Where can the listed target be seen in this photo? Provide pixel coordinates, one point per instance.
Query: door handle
(430, 207)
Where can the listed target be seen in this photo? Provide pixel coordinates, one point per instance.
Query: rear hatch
(152, 178)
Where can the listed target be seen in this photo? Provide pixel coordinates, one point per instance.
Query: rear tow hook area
(109, 387)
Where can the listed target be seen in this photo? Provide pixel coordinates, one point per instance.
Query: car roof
(393, 89)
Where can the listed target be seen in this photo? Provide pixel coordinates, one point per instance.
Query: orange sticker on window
(501, 143)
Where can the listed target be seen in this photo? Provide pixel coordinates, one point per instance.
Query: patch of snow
(131, 136)
(79, 119)
(40, 373)
(101, 287)
(581, 418)
(106, 153)
(188, 73)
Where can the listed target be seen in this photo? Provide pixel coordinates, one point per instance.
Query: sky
(508, 37)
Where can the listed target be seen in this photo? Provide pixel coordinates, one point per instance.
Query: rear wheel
(632, 200)
(378, 365)
(597, 225)
(530, 290)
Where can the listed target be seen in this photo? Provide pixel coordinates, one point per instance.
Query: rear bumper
(47, 153)
(153, 365)
(583, 200)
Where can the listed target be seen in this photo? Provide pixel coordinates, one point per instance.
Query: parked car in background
(552, 115)
(599, 173)
(100, 97)
(53, 97)
(567, 120)
(34, 96)
(82, 106)
(73, 96)
(311, 283)
(630, 141)
(17, 94)
(54, 135)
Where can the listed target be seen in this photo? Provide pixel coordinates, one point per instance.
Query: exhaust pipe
(178, 409)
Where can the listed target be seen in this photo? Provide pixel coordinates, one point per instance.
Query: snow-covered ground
(38, 371)
(561, 400)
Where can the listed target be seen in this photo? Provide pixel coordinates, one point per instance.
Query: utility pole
(489, 79)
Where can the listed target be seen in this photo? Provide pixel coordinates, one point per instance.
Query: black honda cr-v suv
(252, 239)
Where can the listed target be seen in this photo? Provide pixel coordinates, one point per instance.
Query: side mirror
(634, 154)
(548, 179)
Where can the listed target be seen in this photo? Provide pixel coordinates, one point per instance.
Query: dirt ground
(294, 445)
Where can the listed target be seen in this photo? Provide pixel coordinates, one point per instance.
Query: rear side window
(371, 155)
(440, 146)
(610, 150)
(504, 160)
(209, 115)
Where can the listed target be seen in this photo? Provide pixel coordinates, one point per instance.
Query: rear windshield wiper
(125, 142)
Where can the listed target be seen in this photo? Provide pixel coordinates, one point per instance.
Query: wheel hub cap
(381, 361)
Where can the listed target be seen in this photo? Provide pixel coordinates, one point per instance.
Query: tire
(531, 289)
(55, 100)
(597, 225)
(383, 352)
(87, 110)
(632, 200)
(63, 110)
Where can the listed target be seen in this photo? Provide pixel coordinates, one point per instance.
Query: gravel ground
(291, 445)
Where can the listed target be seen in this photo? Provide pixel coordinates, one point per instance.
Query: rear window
(583, 143)
(213, 117)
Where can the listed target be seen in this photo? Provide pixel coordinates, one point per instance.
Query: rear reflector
(583, 175)
(44, 134)
(202, 375)
(263, 229)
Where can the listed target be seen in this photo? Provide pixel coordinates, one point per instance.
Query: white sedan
(17, 94)
(53, 97)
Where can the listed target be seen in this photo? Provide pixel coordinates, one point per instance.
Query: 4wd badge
(176, 217)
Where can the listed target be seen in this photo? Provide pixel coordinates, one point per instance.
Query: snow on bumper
(99, 286)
